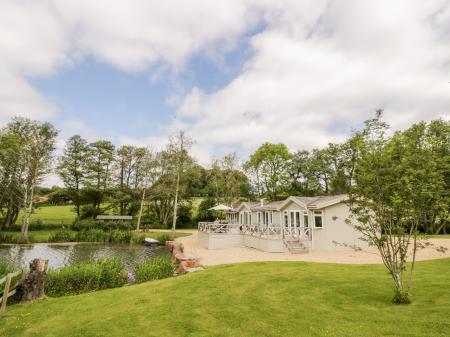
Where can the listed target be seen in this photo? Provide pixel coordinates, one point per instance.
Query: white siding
(335, 229)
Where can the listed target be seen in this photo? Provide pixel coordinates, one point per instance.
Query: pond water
(60, 255)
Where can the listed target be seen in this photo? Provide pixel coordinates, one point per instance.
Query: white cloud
(40, 37)
(317, 68)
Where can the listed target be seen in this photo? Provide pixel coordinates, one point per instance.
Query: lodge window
(318, 219)
(286, 218)
(305, 219)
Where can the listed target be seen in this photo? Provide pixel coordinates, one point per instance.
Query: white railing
(272, 231)
(218, 228)
(298, 233)
(267, 231)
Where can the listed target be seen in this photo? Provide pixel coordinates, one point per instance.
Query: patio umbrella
(221, 207)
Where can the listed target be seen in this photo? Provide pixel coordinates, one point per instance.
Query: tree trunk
(175, 206)
(33, 285)
(27, 209)
(140, 210)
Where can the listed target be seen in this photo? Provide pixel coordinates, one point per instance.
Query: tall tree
(36, 142)
(178, 149)
(101, 155)
(396, 181)
(10, 170)
(270, 161)
(72, 169)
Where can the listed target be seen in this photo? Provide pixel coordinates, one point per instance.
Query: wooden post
(5, 294)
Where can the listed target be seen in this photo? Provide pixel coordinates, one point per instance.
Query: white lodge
(297, 224)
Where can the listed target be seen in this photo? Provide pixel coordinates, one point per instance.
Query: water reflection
(64, 255)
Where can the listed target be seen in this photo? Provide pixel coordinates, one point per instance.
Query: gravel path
(243, 254)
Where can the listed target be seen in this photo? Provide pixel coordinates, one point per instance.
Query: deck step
(296, 247)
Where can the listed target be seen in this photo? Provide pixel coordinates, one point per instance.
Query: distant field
(52, 215)
(66, 214)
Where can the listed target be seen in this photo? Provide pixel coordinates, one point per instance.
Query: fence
(9, 290)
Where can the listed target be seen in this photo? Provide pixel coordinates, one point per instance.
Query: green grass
(43, 235)
(52, 215)
(35, 236)
(257, 299)
(439, 236)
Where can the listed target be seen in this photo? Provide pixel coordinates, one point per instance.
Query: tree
(270, 163)
(396, 182)
(149, 172)
(72, 168)
(10, 170)
(32, 144)
(178, 150)
(99, 178)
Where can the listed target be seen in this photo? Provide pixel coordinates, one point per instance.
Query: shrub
(9, 238)
(155, 269)
(162, 238)
(120, 236)
(6, 268)
(92, 235)
(61, 236)
(138, 237)
(104, 225)
(36, 225)
(86, 277)
(99, 235)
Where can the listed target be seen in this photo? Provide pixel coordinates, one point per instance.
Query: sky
(232, 74)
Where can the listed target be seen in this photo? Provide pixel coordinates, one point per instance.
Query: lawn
(256, 299)
(52, 215)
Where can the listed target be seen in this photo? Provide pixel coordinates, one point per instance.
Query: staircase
(296, 246)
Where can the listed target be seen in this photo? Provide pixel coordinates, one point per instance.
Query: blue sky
(115, 102)
(232, 74)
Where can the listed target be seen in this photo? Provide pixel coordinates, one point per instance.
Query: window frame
(317, 214)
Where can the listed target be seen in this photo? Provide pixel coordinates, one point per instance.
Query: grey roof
(310, 202)
(114, 217)
(321, 201)
(271, 206)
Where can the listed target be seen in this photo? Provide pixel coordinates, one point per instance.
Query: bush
(162, 238)
(86, 277)
(104, 225)
(9, 238)
(37, 225)
(158, 268)
(92, 235)
(99, 235)
(61, 236)
(120, 236)
(5, 268)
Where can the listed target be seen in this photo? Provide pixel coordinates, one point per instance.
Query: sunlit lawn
(258, 299)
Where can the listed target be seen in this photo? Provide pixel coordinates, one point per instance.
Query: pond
(60, 255)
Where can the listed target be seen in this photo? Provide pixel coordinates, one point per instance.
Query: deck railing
(218, 227)
(298, 233)
(272, 231)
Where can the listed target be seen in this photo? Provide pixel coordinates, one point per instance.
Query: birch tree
(178, 149)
